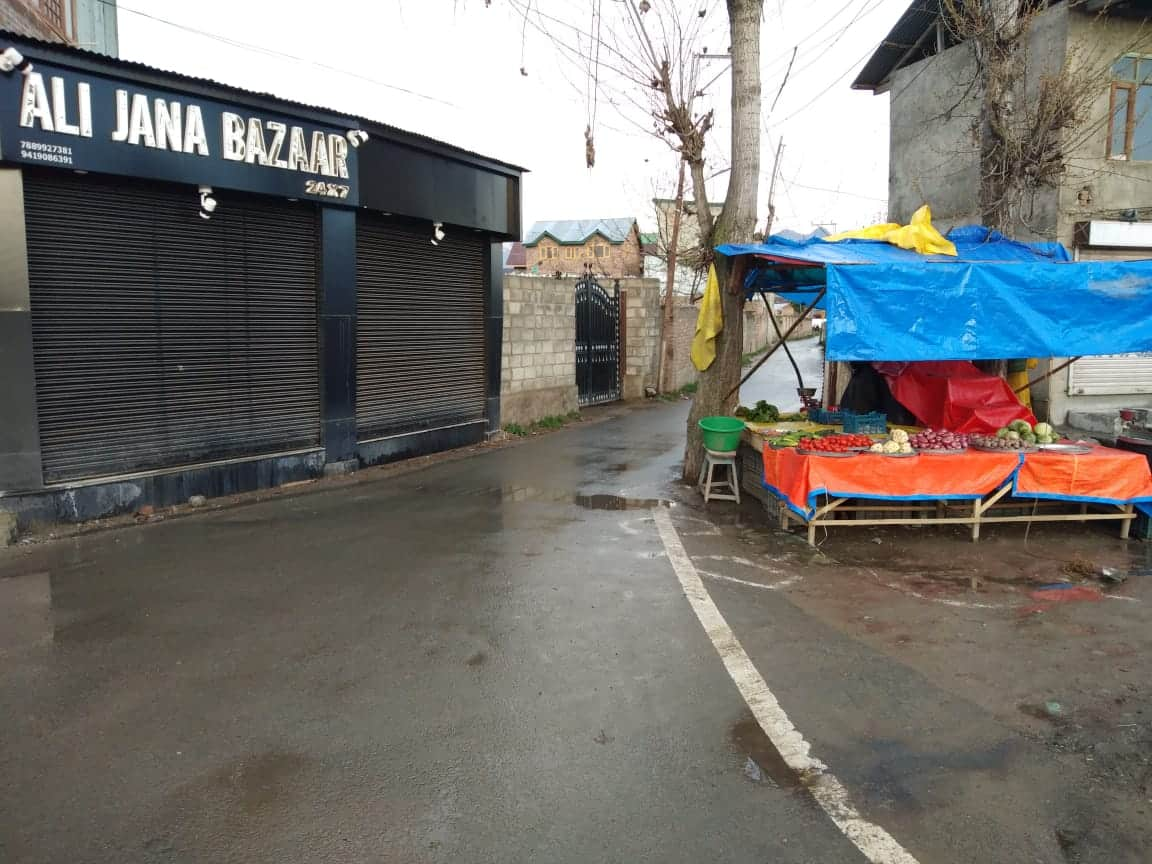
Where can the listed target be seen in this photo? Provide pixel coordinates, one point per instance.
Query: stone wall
(538, 374)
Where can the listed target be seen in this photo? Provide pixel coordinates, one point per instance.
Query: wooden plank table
(971, 488)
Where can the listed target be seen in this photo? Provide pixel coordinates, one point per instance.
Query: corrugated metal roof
(576, 231)
(917, 20)
(325, 114)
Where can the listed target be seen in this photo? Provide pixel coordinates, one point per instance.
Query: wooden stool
(713, 488)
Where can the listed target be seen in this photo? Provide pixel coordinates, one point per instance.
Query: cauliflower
(906, 447)
(891, 447)
(899, 436)
(876, 448)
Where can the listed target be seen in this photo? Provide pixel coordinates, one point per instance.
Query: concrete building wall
(934, 112)
(932, 156)
(1096, 187)
(538, 373)
(688, 237)
(1111, 185)
(96, 27)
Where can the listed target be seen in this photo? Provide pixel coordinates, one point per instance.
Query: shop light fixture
(207, 202)
(356, 137)
(12, 60)
(437, 233)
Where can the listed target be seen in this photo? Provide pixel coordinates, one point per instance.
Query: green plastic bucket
(721, 434)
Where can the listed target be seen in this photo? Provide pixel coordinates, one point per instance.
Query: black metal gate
(597, 342)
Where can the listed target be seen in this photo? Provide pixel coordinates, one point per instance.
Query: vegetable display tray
(987, 449)
(831, 455)
(1066, 449)
(939, 452)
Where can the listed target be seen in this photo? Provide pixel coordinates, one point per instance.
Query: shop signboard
(57, 117)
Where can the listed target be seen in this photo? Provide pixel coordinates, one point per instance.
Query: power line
(837, 191)
(272, 52)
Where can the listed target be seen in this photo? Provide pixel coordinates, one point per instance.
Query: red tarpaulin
(954, 395)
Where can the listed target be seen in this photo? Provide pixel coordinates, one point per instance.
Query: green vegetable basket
(721, 434)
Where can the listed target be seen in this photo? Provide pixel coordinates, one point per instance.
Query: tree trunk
(736, 224)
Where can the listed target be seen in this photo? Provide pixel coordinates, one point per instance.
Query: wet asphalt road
(470, 663)
(485, 660)
(775, 381)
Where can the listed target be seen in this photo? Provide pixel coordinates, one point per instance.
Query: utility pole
(667, 348)
(772, 190)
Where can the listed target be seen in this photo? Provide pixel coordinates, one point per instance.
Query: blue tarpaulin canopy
(998, 298)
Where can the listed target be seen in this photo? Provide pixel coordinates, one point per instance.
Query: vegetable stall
(972, 453)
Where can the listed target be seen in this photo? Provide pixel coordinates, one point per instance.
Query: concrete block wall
(683, 331)
(757, 327)
(538, 374)
(641, 310)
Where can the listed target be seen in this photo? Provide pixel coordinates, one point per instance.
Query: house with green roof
(609, 247)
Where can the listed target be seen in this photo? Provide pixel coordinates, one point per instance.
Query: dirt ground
(1068, 666)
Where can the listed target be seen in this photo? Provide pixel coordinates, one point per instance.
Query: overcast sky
(450, 69)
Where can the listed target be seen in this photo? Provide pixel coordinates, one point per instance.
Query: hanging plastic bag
(709, 322)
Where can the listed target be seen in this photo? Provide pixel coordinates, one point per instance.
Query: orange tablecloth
(800, 479)
(1105, 475)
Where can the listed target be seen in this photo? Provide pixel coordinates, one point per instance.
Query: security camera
(11, 59)
(207, 202)
(356, 137)
(437, 233)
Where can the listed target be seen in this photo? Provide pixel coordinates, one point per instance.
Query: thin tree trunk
(700, 196)
(736, 224)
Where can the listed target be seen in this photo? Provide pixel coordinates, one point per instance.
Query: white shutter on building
(1111, 374)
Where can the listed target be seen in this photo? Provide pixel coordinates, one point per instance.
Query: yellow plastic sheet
(709, 322)
(919, 235)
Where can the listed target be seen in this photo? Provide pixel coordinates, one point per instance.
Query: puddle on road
(588, 502)
(763, 764)
(616, 502)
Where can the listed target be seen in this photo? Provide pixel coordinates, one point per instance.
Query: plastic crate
(875, 423)
(826, 418)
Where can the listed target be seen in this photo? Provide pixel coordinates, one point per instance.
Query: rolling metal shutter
(420, 359)
(161, 338)
(1111, 374)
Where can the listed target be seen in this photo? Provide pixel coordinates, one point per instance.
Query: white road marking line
(770, 586)
(877, 845)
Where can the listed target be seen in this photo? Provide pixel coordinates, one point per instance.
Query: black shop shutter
(164, 339)
(419, 327)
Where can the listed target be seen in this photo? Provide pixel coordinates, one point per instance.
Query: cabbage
(1043, 429)
(1020, 426)
(1002, 433)
(1013, 435)
(1028, 437)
